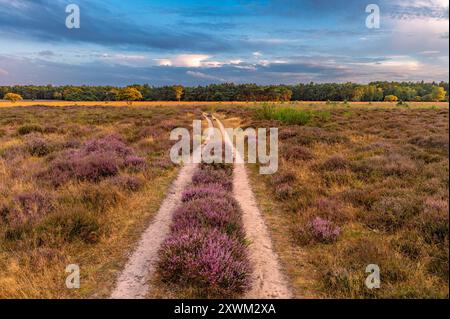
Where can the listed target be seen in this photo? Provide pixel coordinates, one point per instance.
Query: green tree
(13, 97)
(438, 94)
(178, 89)
(129, 94)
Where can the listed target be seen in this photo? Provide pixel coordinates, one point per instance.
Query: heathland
(358, 184)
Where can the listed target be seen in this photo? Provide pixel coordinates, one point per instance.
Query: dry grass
(381, 176)
(90, 222)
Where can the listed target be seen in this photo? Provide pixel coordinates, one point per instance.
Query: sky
(193, 42)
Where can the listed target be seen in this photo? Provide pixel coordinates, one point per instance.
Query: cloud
(202, 75)
(46, 53)
(3, 72)
(44, 20)
(184, 60)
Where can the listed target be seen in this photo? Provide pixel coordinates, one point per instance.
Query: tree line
(375, 91)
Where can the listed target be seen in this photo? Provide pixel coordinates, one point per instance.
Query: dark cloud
(45, 21)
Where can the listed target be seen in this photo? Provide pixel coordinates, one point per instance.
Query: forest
(372, 92)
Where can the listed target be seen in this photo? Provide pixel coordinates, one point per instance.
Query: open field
(358, 184)
(77, 186)
(357, 188)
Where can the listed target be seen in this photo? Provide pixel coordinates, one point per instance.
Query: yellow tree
(13, 97)
(129, 94)
(178, 89)
(438, 93)
(390, 98)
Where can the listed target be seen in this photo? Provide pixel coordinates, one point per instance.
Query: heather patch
(206, 251)
(98, 159)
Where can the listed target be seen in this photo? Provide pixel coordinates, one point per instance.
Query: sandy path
(267, 279)
(133, 282)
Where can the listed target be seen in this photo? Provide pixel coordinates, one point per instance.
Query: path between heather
(268, 281)
(133, 281)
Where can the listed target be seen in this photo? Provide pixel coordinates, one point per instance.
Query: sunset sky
(193, 42)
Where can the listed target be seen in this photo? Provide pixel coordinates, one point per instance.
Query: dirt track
(133, 282)
(267, 279)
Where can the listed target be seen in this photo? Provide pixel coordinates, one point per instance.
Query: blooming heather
(210, 176)
(206, 250)
(204, 191)
(324, 230)
(207, 259)
(220, 213)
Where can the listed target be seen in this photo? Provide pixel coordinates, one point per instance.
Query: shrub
(317, 230)
(30, 207)
(433, 222)
(211, 176)
(323, 230)
(330, 209)
(135, 163)
(390, 98)
(95, 166)
(128, 183)
(283, 178)
(98, 198)
(208, 260)
(204, 191)
(440, 142)
(27, 129)
(297, 152)
(98, 159)
(335, 162)
(219, 213)
(38, 147)
(392, 212)
(342, 274)
(390, 165)
(284, 191)
(109, 144)
(68, 227)
(292, 116)
(13, 97)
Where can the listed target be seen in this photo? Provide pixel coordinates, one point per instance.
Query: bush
(208, 260)
(94, 167)
(13, 97)
(335, 162)
(97, 160)
(219, 213)
(284, 191)
(128, 183)
(211, 176)
(390, 98)
(68, 227)
(38, 147)
(318, 230)
(27, 129)
(30, 207)
(297, 152)
(204, 191)
(434, 221)
(392, 212)
(135, 163)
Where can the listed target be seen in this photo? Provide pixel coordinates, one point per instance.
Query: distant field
(4, 103)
